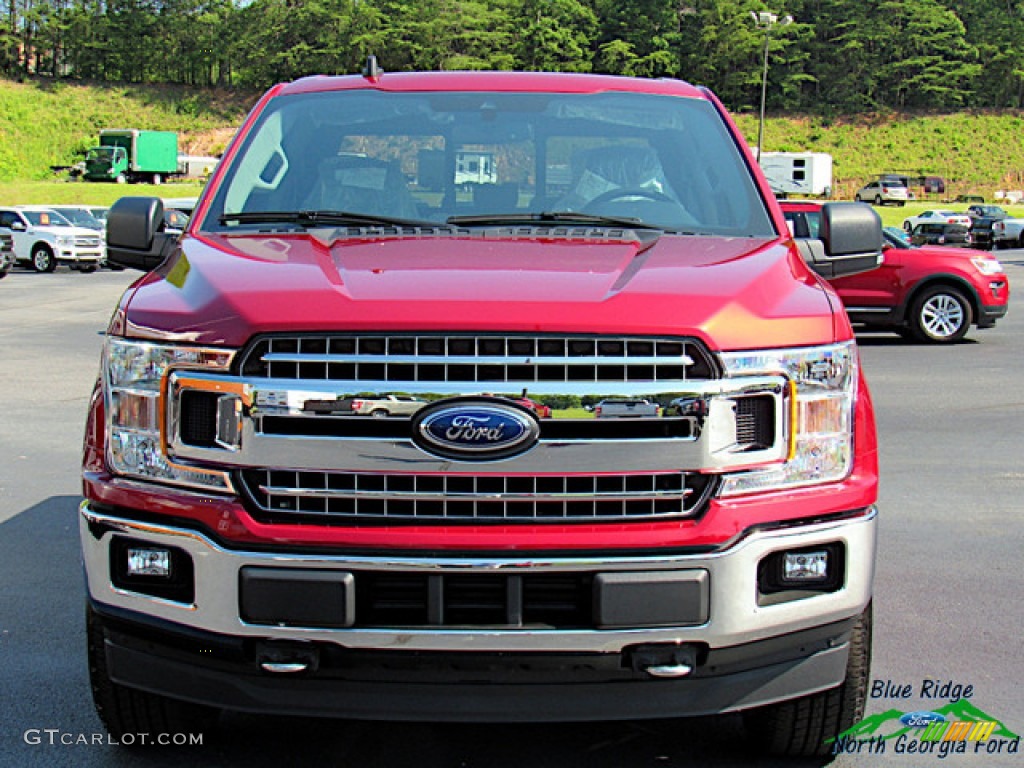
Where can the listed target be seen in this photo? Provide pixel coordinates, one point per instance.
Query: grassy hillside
(45, 122)
(976, 153)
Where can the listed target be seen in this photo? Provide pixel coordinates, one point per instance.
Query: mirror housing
(135, 236)
(850, 241)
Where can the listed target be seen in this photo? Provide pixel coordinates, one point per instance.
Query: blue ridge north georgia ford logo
(475, 430)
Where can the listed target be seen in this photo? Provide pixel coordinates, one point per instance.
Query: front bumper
(745, 650)
(992, 312)
(80, 257)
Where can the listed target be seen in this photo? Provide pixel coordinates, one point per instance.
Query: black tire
(158, 179)
(88, 268)
(940, 314)
(379, 413)
(806, 727)
(42, 258)
(130, 711)
(878, 199)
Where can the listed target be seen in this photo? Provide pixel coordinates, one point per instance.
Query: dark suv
(942, 233)
(930, 293)
(982, 218)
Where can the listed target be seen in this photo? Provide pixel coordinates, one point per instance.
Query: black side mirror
(134, 236)
(850, 241)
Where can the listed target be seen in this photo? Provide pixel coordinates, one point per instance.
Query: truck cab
(248, 546)
(107, 164)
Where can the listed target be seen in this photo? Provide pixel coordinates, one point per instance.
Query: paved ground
(949, 582)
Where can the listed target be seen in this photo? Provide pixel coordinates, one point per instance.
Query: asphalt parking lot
(949, 572)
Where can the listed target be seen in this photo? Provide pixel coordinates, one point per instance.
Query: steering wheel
(621, 192)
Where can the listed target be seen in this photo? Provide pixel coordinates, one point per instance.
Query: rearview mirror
(134, 236)
(850, 241)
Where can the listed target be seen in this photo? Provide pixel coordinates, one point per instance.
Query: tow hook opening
(664, 661)
(287, 657)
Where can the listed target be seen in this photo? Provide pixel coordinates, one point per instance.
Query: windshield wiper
(552, 217)
(322, 218)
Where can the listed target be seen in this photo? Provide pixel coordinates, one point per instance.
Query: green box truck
(131, 155)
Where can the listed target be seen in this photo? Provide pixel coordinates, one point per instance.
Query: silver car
(882, 191)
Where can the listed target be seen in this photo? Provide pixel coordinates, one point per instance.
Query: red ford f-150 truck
(464, 238)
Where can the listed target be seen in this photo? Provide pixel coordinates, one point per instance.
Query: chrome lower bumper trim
(735, 616)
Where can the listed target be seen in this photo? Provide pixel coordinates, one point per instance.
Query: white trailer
(804, 174)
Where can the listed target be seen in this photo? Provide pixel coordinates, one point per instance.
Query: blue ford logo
(475, 429)
(921, 719)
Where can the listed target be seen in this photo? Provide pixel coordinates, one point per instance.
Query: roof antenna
(372, 70)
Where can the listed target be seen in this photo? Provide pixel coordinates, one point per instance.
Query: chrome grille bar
(527, 359)
(489, 497)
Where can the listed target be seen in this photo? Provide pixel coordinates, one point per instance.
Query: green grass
(86, 193)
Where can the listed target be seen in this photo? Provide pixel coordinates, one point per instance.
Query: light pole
(766, 21)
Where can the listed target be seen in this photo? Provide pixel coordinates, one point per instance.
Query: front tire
(806, 727)
(43, 259)
(130, 711)
(940, 315)
(878, 199)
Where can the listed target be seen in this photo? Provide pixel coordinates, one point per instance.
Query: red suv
(929, 293)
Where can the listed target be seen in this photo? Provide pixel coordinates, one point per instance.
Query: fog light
(147, 568)
(810, 570)
(149, 562)
(804, 566)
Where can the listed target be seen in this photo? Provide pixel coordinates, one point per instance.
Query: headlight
(65, 240)
(133, 386)
(987, 266)
(822, 383)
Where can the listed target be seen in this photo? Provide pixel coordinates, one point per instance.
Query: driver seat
(616, 166)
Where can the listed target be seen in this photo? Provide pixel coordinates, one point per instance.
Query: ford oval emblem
(475, 429)
(921, 719)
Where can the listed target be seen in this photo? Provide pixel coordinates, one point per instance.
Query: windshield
(99, 153)
(476, 158)
(46, 219)
(80, 218)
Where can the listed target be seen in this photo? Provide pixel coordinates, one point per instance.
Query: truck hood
(74, 231)
(734, 293)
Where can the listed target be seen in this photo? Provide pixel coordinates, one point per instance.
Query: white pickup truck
(621, 408)
(378, 406)
(44, 238)
(1008, 233)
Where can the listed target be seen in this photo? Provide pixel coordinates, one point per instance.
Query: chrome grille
(87, 242)
(445, 358)
(343, 496)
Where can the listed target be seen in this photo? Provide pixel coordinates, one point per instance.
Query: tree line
(838, 56)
